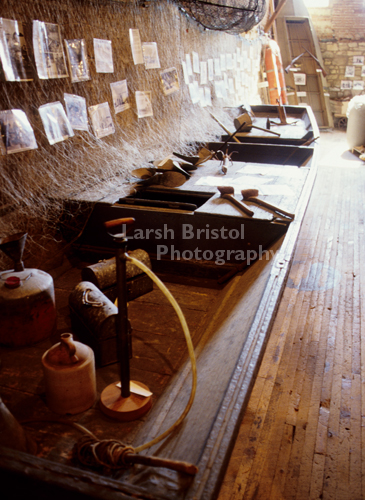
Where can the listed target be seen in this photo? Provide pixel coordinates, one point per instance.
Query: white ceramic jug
(69, 372)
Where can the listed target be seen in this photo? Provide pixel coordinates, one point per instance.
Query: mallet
(227, 192)
(251, 195)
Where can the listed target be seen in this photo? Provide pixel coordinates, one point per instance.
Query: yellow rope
(189, 342)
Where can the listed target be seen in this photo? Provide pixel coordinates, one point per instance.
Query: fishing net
(34, 184)
(231, 16)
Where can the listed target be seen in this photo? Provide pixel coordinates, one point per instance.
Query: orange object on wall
(275, 74)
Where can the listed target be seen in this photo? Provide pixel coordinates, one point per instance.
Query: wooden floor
(302, 433)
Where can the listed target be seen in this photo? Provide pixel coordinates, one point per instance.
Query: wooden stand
(120, 402)
(124, 409)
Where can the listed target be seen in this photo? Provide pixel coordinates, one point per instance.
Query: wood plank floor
(302, 433)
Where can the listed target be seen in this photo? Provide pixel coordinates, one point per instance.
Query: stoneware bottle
(69, 373)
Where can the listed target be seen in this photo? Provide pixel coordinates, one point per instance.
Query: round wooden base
(125, 409)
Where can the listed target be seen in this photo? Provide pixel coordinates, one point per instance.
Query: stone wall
(341, 36)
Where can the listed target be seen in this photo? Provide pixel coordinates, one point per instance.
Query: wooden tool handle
(238, 204)
(224, 128)
(266, 130)
(117, 224)
(271, 207)
(162, 462)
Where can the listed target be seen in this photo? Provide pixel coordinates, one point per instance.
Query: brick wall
(348, 19)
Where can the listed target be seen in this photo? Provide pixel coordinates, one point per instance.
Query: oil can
(27, 299)
(27, 307)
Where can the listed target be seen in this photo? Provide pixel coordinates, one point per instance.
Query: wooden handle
(162, 462)
(224, 128)
(266, 130)
(119, 223)
(238, 204)
(271, 207)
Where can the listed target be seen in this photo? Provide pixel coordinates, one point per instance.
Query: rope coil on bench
(109, 453)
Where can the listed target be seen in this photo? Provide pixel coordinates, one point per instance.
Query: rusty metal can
(27, 307)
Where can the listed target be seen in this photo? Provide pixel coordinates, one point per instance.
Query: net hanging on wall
(231, 16)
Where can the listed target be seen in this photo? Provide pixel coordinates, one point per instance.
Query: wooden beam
(271, 13)
(275, 15)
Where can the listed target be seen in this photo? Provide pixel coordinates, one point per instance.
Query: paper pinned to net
(55, 122)
(48, 51)
(101, 120)
(17, 132)
(150, 55)
(77, 59)
(13, 52)
(103, 56)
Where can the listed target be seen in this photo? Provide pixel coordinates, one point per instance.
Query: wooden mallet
(227, 192)
(251, 195)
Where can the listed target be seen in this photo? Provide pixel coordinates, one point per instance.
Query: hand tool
(244, 123)
(223, 127)
(251, 195)
(227, 192)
